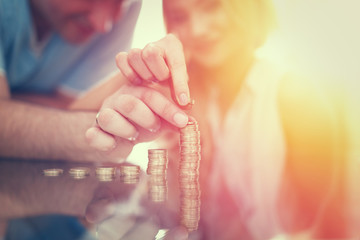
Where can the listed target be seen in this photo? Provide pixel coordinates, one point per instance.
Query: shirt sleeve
(2, 52)
(2, 58)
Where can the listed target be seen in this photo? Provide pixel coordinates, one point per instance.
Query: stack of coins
(157, 169)
(52, 172)
(79, 172)
(190, 155)
(129, 174)
(105, 174)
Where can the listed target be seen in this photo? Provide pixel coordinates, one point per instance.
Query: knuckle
(177, 64)
(132, 77)
(126, 70)
(129, 74)
(150, 52)
(166, 110)
(148, 96)
(147, 77)
(105, 118)
(127, 104)
(134, 54)
(99, 140)
(120, 57)
(90, 134)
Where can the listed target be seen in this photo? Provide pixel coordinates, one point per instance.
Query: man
(51, 51)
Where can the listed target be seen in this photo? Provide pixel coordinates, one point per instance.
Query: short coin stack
(157, 168)
(190, 155)
(105, 174)
(52, 172)
(129, 174)
(79, 172)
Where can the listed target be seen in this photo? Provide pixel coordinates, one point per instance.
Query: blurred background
(320, 38)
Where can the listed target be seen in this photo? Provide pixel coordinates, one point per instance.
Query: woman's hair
(257, 17)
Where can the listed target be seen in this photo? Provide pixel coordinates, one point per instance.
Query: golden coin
(129, 179)
(105, 178)
(52, 172)
(79, 172)
(105, 171)
(129, 170)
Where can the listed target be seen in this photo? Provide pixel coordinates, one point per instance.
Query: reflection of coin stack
(190, 155)
(105, 174)
(129, 174)
(157, 167)
(79, 172)
(52, 172)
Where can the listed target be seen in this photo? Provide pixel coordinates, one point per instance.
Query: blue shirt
(58, 65)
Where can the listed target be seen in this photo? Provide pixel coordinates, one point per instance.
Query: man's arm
(55, 100)
(131, 115)
(31, 131)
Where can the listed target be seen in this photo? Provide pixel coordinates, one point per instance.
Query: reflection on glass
(157, 170)
(79, 172)
(37, 206)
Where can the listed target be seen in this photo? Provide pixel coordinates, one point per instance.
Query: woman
(220, 38)
(267, 137)
(256, 131)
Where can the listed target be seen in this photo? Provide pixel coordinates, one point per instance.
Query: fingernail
(133, 138)
(183, 99)
(180, 119)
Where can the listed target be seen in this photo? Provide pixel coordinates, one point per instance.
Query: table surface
(36, 206)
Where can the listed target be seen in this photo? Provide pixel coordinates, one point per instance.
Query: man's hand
(158, 61)
(133, 114)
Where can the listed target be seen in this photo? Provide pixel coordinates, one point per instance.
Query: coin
(105, 178)
(157, 170)
(158, 150)
(79, 172)
(128, 179)
(105, 173)
(190, 156)
(52, 172)
(129, 170)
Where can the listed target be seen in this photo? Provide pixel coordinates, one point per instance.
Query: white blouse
(249, 150)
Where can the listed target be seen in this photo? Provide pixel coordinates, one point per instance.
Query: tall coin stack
(157, 168)
(190, 155)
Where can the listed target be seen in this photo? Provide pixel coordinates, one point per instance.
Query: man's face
(77, 20)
